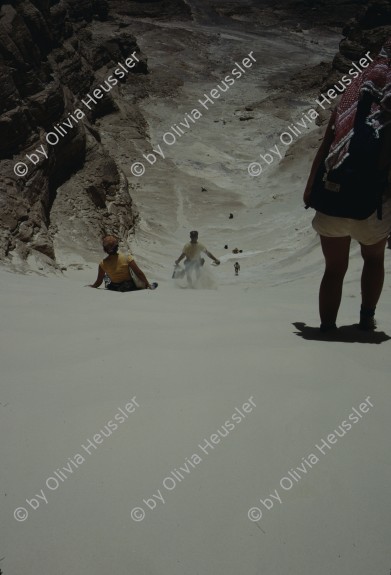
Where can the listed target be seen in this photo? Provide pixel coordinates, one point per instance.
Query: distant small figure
(203, 189)
(237, 268)
(226, 246)
(231, 216)
(235, 251)
(240, 251)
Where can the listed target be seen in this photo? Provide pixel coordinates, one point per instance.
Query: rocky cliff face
(366, 31)
(52, 56)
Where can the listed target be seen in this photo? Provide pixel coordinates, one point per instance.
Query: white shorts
(367, 232)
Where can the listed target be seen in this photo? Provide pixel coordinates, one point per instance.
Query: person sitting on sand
(192, 252)
(118, 268)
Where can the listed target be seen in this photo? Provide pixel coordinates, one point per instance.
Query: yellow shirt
(117, 267)
(193, 251)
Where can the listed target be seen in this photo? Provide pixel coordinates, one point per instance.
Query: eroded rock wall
(367, 31)
(52, 55)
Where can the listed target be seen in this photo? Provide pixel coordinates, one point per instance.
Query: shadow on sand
(345, 333)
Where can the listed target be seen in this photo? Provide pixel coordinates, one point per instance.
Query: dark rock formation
(366, 32)
(51, 57)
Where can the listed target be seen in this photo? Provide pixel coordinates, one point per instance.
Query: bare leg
(372, 277)
(189, 280)
(188, 274)
(197, 271)
(191, 271)
(336, 255)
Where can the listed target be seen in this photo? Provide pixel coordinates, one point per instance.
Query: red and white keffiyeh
(376, 80)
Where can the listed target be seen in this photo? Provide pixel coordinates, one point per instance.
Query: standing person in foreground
(351, 171)
(192, 252)
(121, 269)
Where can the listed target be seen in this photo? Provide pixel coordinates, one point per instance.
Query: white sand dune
(72, 357)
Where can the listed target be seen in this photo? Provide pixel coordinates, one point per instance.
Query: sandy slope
(72, 357)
